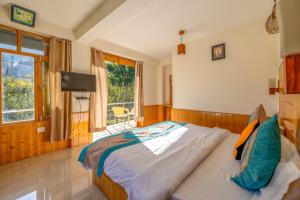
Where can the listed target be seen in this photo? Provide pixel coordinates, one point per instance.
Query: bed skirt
(109, 188)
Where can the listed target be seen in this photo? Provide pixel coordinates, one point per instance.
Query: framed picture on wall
(218, 52)
(22, 15)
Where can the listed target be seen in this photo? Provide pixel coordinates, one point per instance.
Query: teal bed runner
(126, 139)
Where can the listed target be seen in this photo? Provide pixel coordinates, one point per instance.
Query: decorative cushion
(260, 156)
(259, 114)
(283, 181)
(239, 145)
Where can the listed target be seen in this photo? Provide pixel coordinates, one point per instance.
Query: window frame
(38, 59)
(119, 59)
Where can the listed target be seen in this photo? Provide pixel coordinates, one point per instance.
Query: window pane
(32, 45)
(8, 39)
(121, 80)
(17, 88)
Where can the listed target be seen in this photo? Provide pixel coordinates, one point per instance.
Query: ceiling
(66, 13)
(147, 26)
(152, 26)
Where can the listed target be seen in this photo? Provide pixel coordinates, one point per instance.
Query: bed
(201, 157)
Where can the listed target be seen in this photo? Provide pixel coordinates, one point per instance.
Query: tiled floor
(54, 176)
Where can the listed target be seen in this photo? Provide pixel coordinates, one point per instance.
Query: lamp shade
(181, 49)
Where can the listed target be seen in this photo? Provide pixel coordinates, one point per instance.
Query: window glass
(8, 39)
(121, 80)
(17, 88)
(32, 45)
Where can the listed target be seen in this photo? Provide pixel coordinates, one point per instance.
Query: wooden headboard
(289, 114)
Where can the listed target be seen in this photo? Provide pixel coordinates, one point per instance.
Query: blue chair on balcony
(120, 113)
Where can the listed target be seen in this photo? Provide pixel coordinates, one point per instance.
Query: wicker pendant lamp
(272, 24)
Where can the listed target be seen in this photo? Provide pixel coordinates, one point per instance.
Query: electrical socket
(41, 129)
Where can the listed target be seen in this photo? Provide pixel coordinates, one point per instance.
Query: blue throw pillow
(260, 156)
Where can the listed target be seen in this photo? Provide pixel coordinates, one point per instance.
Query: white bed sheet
(168, 158)
(211, 179)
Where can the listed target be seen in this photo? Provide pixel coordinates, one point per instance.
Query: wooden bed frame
(110, 189)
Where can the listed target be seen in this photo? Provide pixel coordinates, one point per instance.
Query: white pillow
(288, 150)
(285, 173)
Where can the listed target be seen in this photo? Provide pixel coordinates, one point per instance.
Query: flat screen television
(78, 82)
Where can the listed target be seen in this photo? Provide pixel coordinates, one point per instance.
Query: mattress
(211, 179)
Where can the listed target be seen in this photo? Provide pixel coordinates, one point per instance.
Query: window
(32, 45)
(24, 76)
(8, 39)
(17, 87)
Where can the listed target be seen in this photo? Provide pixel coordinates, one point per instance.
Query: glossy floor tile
(114, 129)
(54, 176)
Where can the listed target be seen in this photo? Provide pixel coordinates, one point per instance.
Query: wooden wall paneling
(233, 122)
(15, 144)
(40, 140)
(160, 113)
(23, 141)
(292, 64)
(5, 150)
(289, 113)
(80, 129)
(32, 138)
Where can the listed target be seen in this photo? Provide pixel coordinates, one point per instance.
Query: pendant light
(272, 24)
(181, 46)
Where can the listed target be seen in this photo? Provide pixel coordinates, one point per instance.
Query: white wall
(167, 72)
(41, 26)
(236, 84)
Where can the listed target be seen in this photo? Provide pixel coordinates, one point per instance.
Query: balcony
(119, 124)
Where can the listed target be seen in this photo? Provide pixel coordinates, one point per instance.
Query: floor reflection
(54, 176)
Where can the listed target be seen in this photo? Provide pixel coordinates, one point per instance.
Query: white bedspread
(211, 179)
(154, 169)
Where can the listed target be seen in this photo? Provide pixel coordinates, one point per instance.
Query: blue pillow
(260, 156)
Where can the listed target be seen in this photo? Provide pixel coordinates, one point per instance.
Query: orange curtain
(98, 99)
(139, 93)
(60, 59)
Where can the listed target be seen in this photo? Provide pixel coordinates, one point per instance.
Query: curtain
(98, 99)
(60, 59)
(139, 94)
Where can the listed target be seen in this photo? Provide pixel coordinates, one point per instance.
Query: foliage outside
(121, 79)
(18, 95)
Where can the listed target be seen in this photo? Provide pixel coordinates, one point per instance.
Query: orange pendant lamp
(181, 46)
